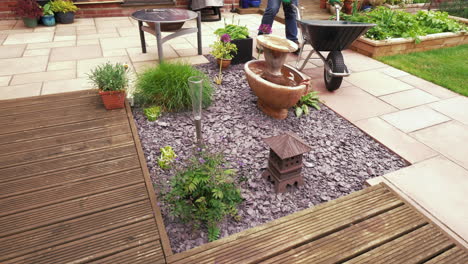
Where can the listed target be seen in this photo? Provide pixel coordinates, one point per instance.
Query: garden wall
(106, 8)
(375, 48)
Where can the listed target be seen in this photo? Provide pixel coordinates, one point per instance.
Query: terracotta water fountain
(277, 86)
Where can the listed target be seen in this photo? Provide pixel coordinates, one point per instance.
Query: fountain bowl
(275, 99)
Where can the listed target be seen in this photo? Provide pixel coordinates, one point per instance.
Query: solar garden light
(196, 88)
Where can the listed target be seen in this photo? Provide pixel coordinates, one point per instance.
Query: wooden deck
(370, 226)
(74, 186)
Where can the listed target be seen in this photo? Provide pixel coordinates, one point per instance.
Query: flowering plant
(28, 8)
(223, 48)
(265, 29)
(110, 77)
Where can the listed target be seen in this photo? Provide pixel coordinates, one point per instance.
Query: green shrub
(204, 192)
(63, 6)
(109, 77)
(235, 31)
(166, 85)
(399, 24)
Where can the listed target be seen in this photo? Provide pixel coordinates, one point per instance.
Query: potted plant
(111, 80)
(224, 50)
(48, 18)
(30, 11)
(64, 11)
(239, 37)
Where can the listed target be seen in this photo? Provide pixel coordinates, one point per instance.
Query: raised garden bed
(376, 48)
(342, 156)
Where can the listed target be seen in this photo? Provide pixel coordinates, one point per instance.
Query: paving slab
(377, 83)
(43, 76)
(416, 118)
(456, 108)
(48, 45)
(61, 65)
(393, 72)
(429, 87)
(19, 91)
(5, 80)
(450, 139)
(120, 43)
(409, 98)
(402, 144)
(357, 62)
(12, 51)
(61, 86)
(440, 187)
(351, 102)
(25, 38)
(36, 52)
(75, 53)
(23, 65)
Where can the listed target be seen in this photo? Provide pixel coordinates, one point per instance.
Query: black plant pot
(65, 18)
(244, 50)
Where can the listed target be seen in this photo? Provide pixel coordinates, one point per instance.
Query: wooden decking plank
(454, 255)
(20, 203)
(68, 162)
(51, 214)
(349, 242)
(408, 248)
(76, 111)
(77, 118)
(311, 227)
(146, 253)
(339, 204)
(61, 151)
(70, 138)
(45, 99)
(67, 231)
(43, 132)
(95, 246)
(53, 105)
(70, 176)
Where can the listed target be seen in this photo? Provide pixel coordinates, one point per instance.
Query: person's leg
(290, 20)
(270, 12)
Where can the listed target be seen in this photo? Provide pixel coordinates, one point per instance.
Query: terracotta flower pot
(225, 63)
(113, 99)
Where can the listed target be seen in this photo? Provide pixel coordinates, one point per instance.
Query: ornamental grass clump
(204, 193)
(166, 85)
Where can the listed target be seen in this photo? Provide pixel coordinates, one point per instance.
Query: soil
(341, 159)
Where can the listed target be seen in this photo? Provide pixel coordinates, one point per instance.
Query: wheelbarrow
(332, 36)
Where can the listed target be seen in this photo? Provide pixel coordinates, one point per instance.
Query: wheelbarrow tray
(329, 35)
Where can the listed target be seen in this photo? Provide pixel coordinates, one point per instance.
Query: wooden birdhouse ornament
(285, 160)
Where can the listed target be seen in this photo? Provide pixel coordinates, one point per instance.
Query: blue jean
(289, 15)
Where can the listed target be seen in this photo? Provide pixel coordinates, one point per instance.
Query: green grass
(446, 67)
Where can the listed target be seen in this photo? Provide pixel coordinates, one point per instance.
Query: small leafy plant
(167, 157)
(110, 77)
(28, 9)
(204, 193)
(63, 6)
(152, 113)
(302, 107)
(166, 85)
(223, 49)
(235, 31)
(47, 9)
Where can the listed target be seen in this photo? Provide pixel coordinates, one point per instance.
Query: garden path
(74, 186)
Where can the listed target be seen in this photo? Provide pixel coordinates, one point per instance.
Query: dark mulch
(341, 160)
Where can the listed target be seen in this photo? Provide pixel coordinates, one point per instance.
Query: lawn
(445, 67)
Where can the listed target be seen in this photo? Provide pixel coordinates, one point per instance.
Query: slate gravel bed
(342, 156)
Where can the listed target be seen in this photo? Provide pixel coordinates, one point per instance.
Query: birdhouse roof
(287, 145)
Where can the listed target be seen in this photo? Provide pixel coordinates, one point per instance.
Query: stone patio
(422, 122)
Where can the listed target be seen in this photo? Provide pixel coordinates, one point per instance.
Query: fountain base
(274, 99)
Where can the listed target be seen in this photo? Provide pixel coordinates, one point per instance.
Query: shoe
(296, 52)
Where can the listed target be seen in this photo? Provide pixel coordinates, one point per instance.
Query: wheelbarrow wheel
(335, 62)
